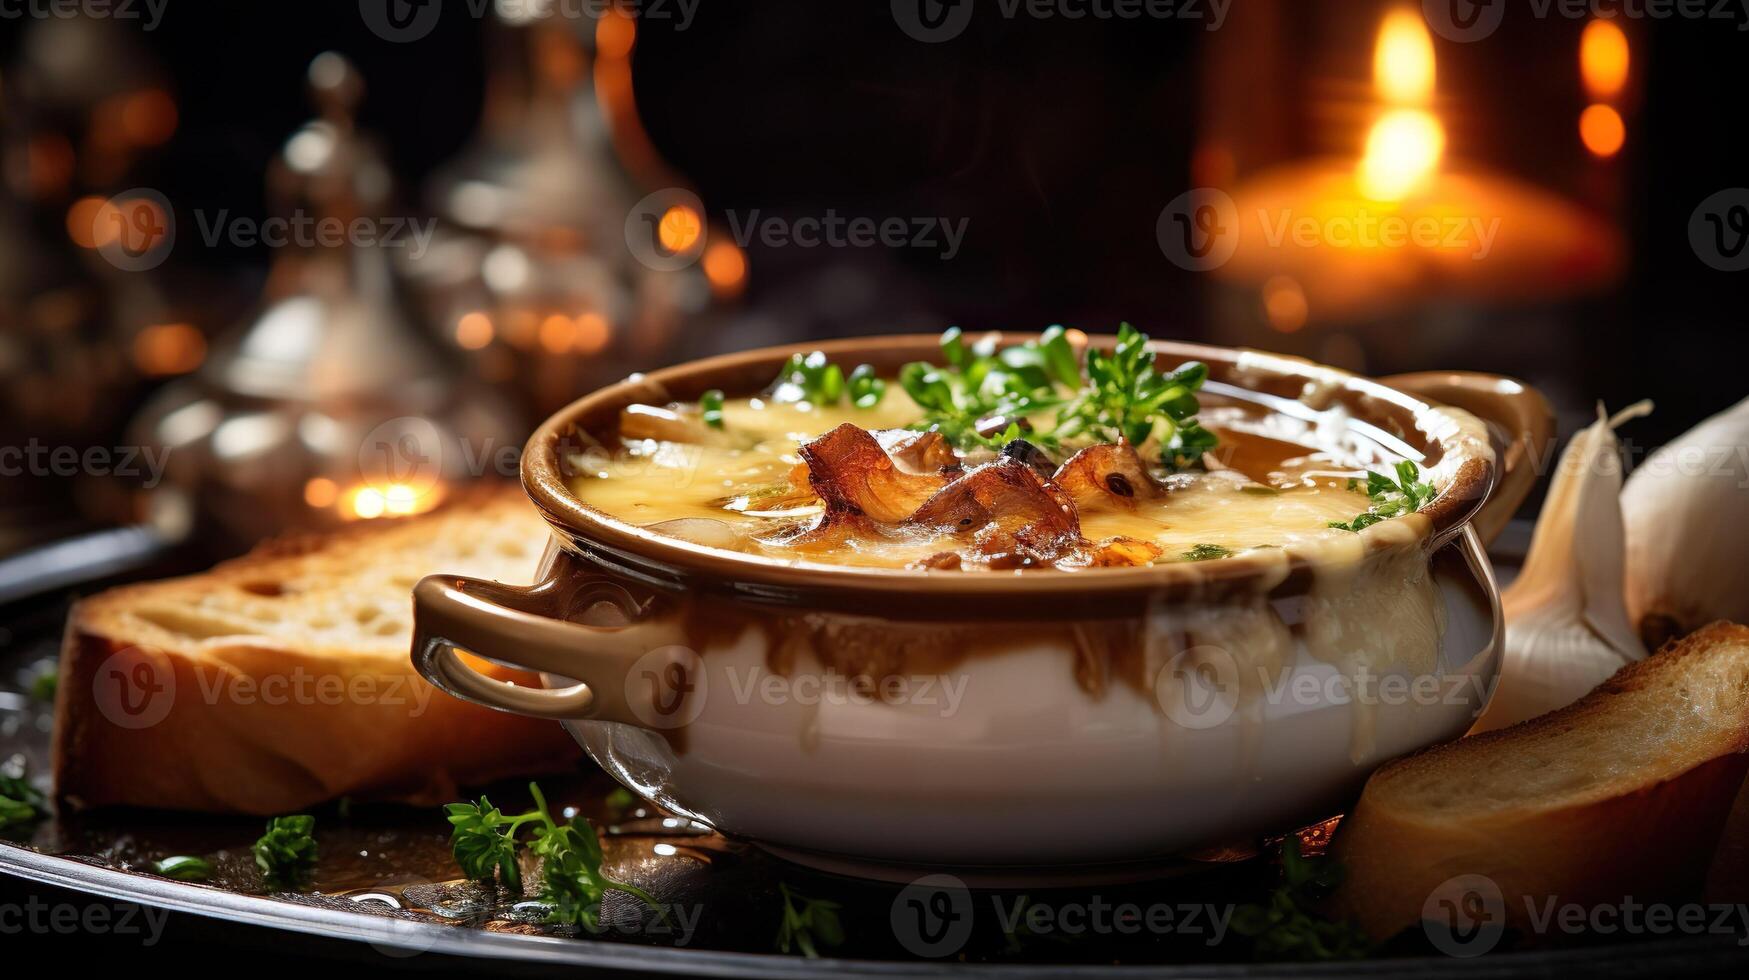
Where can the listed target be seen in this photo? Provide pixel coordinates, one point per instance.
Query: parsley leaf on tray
(808, 924)
(20, 802)
(1287, 926)
(183, 868)
(287, 852)
(484, 842)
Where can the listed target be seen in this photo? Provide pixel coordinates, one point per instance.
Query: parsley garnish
(484, 841)
(1127, 398)
(1390, 498)
(1119, 396)
(287, 852)
(20, 802)
(808, 923)
(1287, 926)
(1206, 552)
(183, 868)
(813, 379)
(710, 407)
(866, 388)
(982, 386)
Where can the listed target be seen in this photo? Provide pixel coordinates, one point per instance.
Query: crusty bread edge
(223, 757)
(1652, 844)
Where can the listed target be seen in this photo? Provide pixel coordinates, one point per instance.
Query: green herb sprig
(20, 802)
(1390, 498)
(814, 379)
(183, 868)
(1288, 927)
(286, 854)
(808, 924)
(484, 842)
(1126, 397)
(710, 407)
(1115, 396)
(979, 383)
(1206, 552)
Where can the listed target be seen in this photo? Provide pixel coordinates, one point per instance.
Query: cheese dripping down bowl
(853, 699)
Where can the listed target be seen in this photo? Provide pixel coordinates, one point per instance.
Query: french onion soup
(1035, 456)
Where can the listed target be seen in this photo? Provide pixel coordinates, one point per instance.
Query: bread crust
(1648, 834)
(266, 724)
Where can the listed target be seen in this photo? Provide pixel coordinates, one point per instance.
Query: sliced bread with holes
(282, 679)
(1620, 794)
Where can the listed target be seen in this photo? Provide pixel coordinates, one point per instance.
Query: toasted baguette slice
(1622, 793)
(282, 679)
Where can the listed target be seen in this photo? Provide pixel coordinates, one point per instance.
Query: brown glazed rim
(674, 563)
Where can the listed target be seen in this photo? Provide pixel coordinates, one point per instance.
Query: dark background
(1058, 139)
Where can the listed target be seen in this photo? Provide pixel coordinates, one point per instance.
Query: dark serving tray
(387, 893)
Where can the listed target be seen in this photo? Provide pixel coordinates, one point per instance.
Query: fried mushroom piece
(851, 473)
(1107, 475)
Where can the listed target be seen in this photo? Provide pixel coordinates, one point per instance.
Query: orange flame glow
(1603, 59)
(1405, 144)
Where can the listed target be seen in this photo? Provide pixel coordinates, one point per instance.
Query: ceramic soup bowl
(861, 717)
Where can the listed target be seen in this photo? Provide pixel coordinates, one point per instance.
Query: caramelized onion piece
(1107, 475)
(831, 531)
(1006, 493)
(850, 472)
(703, 530)
(941, 560)
(1022, 451)
(1123, 551)
(662, 424)
(917, 452)
(1027, 546)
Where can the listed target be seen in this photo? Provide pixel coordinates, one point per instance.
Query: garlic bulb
(1566, 625)
(1687, 515)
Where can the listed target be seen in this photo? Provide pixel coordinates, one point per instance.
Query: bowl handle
(519, 628)
(1519, 411)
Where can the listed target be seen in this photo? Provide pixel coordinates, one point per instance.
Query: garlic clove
(1686, 511)
(1566, 624)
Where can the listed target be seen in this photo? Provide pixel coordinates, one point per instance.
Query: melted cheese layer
(1287, 496)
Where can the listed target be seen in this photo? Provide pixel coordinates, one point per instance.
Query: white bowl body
(1004, 763)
